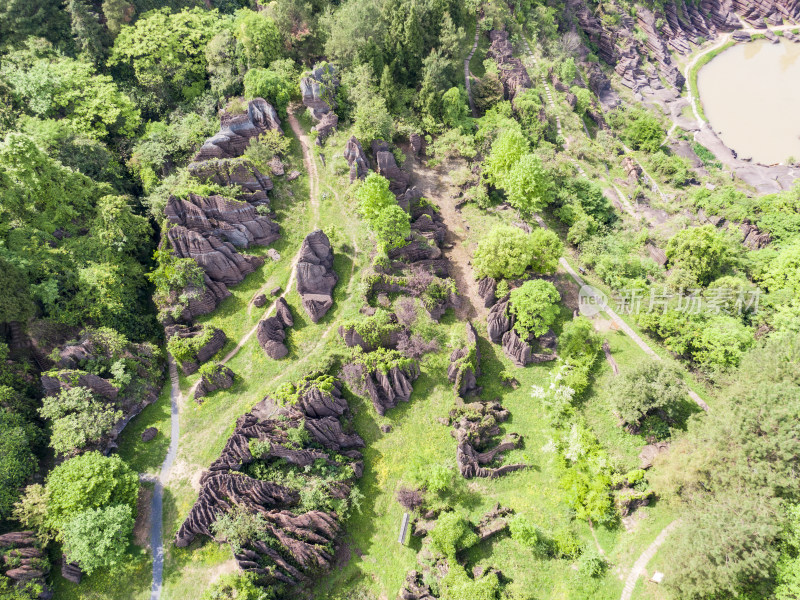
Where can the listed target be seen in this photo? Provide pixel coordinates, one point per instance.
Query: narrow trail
(157, 502)
(646, 556)
(549, 95)
(176, 398)
(466, 70)
(430, 183)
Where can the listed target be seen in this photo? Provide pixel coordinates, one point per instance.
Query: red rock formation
(356, 158)
(235, 172)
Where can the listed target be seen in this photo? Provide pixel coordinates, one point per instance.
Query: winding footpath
(157, 502)
(646, 556)
(466, 70)
(176, 398)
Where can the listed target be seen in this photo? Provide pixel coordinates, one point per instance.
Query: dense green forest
(443, 201)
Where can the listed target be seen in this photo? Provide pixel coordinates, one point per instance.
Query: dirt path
(434, 185)
(641, 562)
(466, 70)
(157, 501)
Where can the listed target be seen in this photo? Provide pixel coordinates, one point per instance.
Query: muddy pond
(751, 97)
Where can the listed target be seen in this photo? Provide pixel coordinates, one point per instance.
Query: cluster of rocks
(315, 275)
(237, 129)
(24, 562)
(218, 378)
(357, 159)
(432, 569)
(294, 544)
(379, 330)
(318, 89)
(513, 74)
(213, 340)
(386, 165)
(465, 365)
(386, 381)
(500, 325)
(211, 230)
(475, 428)
(91, 352)
(271, 331)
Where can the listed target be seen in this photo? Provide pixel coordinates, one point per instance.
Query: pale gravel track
(646, 556)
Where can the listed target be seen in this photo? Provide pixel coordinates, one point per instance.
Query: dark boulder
(499, 321)
(260, 300)
(213, 341)
(149, 434)
(356, 158)
(474, 427)
(315, 275)
(271, 331)
(220, 378)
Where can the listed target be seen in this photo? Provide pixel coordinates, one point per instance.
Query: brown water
(751, 97)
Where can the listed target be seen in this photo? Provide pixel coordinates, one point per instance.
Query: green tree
(452, 532)
(648, 388)
(507, 149)
(392, 227)
(90, 36)
(78, 418)
(384, 216)
(578, 339)
(644, 132)
(117, 14)
(166, 51)
(507, 252)
(71, 89)
(88, 481)
(17, 461)
(373, 121)
(528, 184)
(782, 272)
(454, 108)
(703, 251)
(225, 69)
(271, 85)
(15, 299)
(20, 19)
(535, 306)
(94, 538)
(258, 36)
(724, 547)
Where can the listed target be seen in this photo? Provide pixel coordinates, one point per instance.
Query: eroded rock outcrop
(386, 378)
(475, 426)
(294, 542)
(23, 561)
(96, 351)
(315, 275)
(271, 331)
(218, 378)
(465, 365)
(487, 287)
(318, 89)
(386, 165)
(239, 172)
(230, 220)
(513, 73)
(237, 129)
(195, 344)
(356, 158)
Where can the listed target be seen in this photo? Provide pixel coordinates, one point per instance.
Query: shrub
(703, 251)
(78, 418)
(238, 586)
(239, 526)
(591, 563)
(578, 338)
(535, 306)
(507, 252)
(452, 532)
(647, 388)
(94, 538)
(524, 532)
